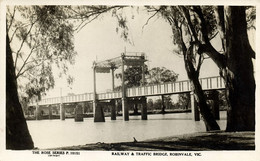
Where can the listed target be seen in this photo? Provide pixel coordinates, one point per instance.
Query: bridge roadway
(208, 83)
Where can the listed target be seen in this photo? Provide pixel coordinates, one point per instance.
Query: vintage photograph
(130, 79)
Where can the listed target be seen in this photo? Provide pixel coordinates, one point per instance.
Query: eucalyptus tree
(193, 29)
(37, 37)
(159, 75)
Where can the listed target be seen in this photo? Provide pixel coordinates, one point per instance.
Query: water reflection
(57, 133)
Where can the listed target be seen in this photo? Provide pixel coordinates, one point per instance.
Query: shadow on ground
(191, 142)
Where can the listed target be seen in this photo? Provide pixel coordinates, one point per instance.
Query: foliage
(40, 36)
(159, 75)
(133, 76)
(251, 17)
(184, 99)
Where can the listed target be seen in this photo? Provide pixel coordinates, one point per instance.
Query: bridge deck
(209, 83)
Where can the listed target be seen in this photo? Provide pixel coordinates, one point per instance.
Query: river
(57, 133)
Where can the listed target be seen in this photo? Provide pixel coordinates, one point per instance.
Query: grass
(203, 141)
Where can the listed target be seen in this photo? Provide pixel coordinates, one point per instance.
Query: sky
(99, 41)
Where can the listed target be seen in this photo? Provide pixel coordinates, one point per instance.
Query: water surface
(57, 133)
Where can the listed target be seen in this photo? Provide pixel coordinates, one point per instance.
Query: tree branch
(187, 17)
(218, 58)
(95, 17)
(18, 74)
(150, 19)
(219, 12)
(207, 47)
(13, 35)
(200, 62)
(25, 37)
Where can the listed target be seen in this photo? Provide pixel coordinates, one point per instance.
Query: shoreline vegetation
(200, 141)
(108, 114)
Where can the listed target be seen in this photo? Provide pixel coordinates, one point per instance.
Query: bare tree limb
(150, 19)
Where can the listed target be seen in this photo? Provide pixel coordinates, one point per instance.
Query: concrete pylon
(78, 114)
(125, 109)
(97, 108)
(163, 105)
(50, 111)
(113, 104)
(62, 111)
(124, 99)
(99, 114)
(37, 112)
(144, 109)
(194, 108)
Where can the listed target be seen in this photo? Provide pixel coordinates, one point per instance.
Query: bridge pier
(98, 112)
(113, 104)
(62, 111)
(50, 111)
(78, 113)
(144, 109)
(37, 112)
(163, 105)
(125, 109)
(195, 114)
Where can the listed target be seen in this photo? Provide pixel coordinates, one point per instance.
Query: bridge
(127, 95)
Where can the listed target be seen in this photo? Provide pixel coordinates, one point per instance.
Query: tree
(185, 33)
(133, 76)
(159, 75)
(44, 35)
(17, 134)
(184, 100)
(238, 71)
(40, 37)
(44, 38)
(234, 61)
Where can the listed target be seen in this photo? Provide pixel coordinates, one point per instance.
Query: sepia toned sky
(99, 41)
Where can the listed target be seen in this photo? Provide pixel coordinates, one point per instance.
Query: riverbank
(201, 141)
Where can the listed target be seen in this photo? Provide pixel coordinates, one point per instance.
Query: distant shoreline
(89, 115)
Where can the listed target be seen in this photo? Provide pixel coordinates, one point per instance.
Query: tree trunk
(17, 133)
(239, 73)
(193, 75)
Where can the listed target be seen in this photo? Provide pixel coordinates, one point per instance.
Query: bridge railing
(54, 100)
(149, 90)
(109, 95)
(78, 98)
(212, 83)
(166, 88)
